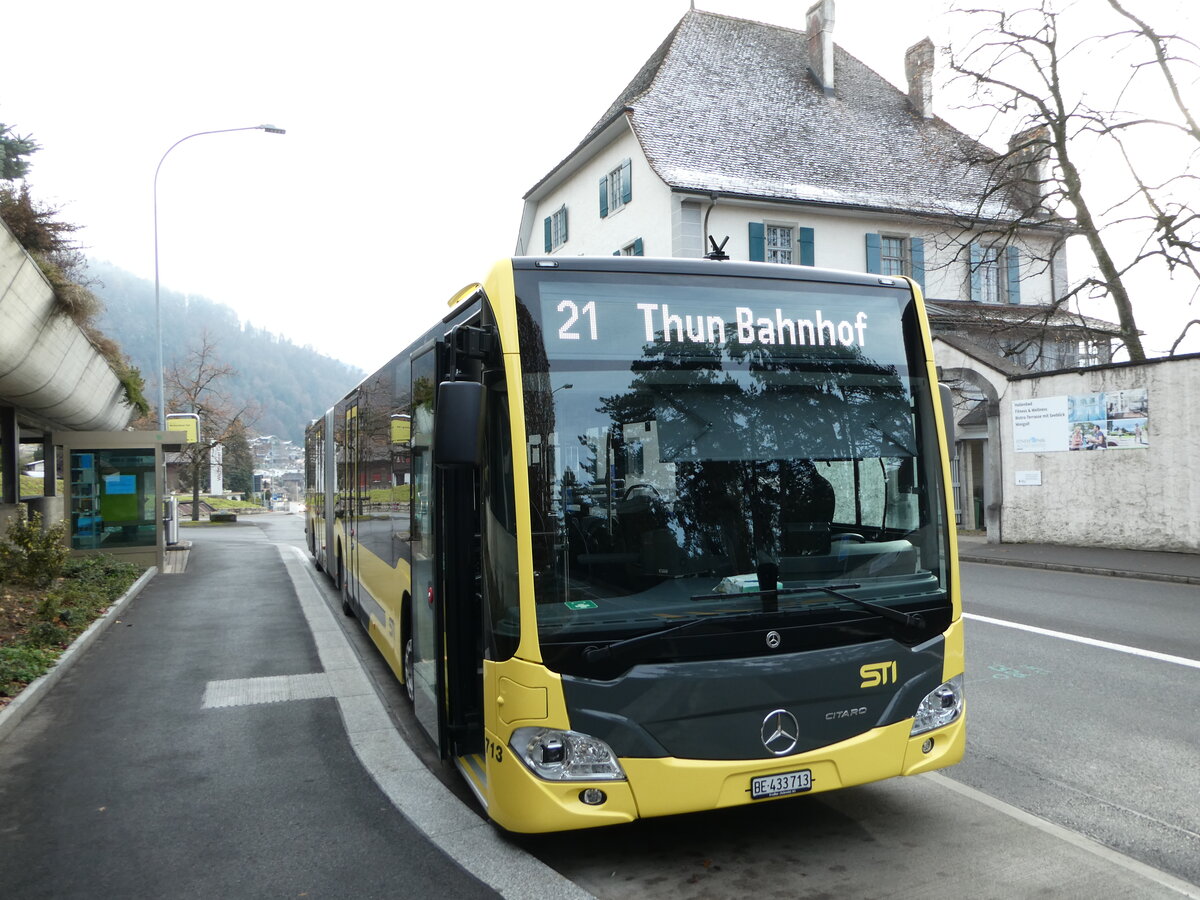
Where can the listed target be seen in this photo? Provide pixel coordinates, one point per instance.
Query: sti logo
(877, 674)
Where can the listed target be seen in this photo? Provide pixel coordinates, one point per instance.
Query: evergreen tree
(13, 152)
(239, 461)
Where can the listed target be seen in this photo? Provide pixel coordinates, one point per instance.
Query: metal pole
(162, 401)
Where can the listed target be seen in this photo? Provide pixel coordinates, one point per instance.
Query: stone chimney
(918, 69)
(820, 44)
(1029, 166)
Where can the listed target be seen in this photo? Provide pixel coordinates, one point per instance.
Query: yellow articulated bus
(644, 537)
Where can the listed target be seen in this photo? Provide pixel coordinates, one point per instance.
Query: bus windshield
(759, 451)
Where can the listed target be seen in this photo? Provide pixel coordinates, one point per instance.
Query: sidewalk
(1148, 564)
(200, 749)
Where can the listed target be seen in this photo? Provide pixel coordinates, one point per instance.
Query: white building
(776, 145)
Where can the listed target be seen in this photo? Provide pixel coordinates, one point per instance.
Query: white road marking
(414, 791)
(1091, 642)
(270, 689)
(1148, 872)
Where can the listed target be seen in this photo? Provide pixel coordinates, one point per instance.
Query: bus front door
(424, 668)
(447, 605)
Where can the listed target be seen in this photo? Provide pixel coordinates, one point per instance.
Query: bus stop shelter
(114, 492)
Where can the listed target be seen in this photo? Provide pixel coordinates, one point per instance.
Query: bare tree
(196, 384)
(1041, 72)
(1175, 236)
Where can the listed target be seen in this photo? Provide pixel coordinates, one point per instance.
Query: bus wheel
(347, 609)
(410, 669)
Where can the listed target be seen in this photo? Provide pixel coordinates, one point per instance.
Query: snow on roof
(728, 105)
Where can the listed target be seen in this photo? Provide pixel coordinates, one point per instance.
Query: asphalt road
(1081, 777)
(1103, 741)
(1098, 745)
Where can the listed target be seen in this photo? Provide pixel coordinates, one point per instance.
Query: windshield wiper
(595, 654)
(910, 620)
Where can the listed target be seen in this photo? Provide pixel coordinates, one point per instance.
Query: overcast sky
(413, 131)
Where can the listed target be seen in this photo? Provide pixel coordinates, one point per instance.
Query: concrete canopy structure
(51, 377)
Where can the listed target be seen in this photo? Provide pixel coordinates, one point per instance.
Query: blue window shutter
(916, 253)
(808, 251)
(758, 242)
(639, 249)
(1012, 257)
(976, 260)
(874, 254)
(549, 239)
(564, 224)
(604, 196)
(626, 181)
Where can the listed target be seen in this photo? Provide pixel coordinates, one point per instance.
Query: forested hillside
(289, 385)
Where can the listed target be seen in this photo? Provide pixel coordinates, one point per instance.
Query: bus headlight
(558, 755)
(941, 706)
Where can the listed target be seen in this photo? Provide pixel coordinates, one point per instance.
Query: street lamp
(162, 401)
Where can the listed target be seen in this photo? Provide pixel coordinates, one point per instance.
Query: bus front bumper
(519, 801)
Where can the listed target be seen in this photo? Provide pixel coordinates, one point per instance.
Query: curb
(12, 714)
(1079, 570)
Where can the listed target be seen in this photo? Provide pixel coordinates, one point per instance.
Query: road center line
(1091, 642)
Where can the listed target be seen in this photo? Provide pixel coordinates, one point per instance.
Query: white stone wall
(1146, 499)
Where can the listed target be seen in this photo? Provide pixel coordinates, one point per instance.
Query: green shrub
(98, 574)
(21, 665)
(33, 555)
(48, 608)
(47, 635)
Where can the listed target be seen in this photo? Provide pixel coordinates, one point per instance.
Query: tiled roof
(947, 313)
(728, 105)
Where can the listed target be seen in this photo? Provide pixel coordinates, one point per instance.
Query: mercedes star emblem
(780, 731)
(774, 640)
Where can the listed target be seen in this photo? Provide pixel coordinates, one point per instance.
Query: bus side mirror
(458, 424)
(948, 419)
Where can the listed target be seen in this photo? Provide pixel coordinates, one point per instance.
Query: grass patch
(223, 503)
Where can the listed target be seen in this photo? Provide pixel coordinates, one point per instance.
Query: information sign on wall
(1112, 420)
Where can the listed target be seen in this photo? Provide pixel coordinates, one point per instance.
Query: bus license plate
(780, 785)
